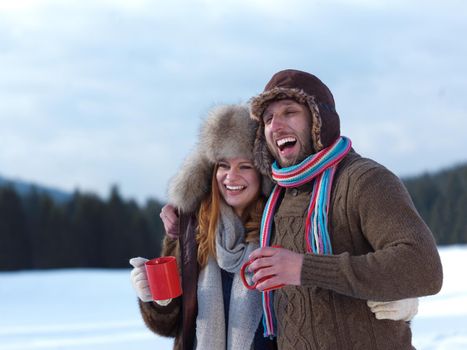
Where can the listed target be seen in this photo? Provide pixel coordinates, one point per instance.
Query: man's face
(287, 128)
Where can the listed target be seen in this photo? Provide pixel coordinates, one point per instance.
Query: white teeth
(234, 188)
(283, 141)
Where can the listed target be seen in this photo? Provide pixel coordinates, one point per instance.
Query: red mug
(163, 278)
(253, 286)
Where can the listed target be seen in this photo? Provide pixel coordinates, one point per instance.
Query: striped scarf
(320, 167)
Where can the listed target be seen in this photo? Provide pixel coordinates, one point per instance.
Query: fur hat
(305, 89)
(227, 132)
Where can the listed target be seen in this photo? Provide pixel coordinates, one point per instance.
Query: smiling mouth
(286, 142)
(234, 188)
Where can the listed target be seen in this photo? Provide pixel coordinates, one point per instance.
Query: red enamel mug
(163, 278)
(246, 276)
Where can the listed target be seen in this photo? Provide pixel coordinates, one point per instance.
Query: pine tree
(15, 246)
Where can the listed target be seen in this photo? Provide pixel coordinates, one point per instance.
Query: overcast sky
(101, 92)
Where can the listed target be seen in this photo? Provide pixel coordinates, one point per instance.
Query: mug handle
(253, 286)
(242, 275)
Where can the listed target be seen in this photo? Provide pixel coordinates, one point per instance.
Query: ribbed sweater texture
(382, 251)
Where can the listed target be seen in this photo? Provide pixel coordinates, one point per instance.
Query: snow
(441, 322)
(97, 310)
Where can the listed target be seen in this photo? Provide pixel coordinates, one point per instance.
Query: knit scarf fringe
(320, 167)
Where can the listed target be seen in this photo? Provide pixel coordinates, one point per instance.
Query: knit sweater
(382, 250)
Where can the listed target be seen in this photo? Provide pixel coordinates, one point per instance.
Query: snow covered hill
(97, 310)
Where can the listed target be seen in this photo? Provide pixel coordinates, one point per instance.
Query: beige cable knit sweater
(382, 251)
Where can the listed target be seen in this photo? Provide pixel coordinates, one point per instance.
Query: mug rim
(160, 260)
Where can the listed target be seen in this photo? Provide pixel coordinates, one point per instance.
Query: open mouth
(286, 142)
(234, 188)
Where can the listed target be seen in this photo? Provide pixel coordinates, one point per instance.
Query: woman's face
(238, 182)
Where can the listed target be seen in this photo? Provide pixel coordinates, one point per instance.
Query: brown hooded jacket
(382, 249)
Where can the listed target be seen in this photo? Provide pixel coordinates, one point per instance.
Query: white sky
(101, 92)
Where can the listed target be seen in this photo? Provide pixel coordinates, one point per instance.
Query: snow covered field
(97, 310)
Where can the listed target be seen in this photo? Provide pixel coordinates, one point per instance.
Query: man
(347, 228)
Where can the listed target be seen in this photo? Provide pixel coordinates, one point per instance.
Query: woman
(220, 197)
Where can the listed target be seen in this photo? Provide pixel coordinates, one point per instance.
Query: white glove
(139, 279)
(404, 309)
(140, 283)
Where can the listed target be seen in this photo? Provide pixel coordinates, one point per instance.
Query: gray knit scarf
(245, 308)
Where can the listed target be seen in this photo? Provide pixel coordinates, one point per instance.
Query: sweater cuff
(321, 271)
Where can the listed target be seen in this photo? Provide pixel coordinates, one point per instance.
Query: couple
(353, 252)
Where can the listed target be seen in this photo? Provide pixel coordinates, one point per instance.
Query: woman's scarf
(245, 305)
(320, 168)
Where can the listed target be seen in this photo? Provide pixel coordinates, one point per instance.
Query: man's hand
(404, 309)
(170, 219)
(279, 265)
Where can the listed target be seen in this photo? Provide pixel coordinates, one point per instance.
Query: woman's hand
(404, 309)
(139, 279)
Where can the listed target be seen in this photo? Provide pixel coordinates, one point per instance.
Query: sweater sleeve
(164, 320)
(404, 261)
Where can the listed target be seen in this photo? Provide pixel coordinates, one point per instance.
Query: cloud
(100, 92)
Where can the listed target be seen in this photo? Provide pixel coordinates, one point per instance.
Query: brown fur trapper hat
(306, 89)
(226, 132)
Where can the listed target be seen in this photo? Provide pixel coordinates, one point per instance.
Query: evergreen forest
(86, 231)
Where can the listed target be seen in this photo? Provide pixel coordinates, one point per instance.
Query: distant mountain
(23, 188)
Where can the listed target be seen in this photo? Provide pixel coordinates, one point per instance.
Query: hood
(226, 132)
(305, 89)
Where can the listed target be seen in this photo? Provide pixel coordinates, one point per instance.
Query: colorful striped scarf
(320, 167)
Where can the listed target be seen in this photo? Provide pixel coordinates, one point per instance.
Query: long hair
(208, 217)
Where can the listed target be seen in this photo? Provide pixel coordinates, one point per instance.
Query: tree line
(86, 231)
(37, 232)
(441, 200)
